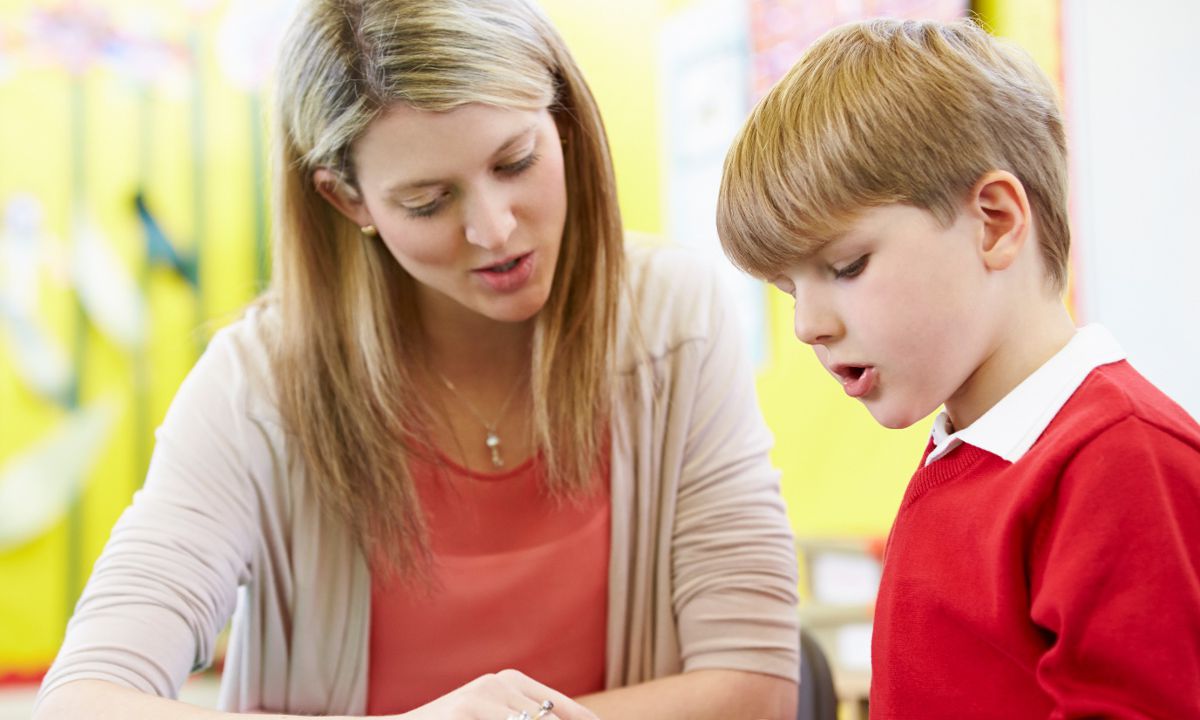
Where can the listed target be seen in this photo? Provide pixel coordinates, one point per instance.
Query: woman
(464, 431)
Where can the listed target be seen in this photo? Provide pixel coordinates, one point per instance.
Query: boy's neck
(1025, 343)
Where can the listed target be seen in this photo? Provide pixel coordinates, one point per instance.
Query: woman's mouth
(509, 274)
(503, 267)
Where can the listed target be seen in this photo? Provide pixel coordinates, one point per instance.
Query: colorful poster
(132, 219)
(780, 30)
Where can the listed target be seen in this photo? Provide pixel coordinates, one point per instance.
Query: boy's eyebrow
(430, 182)
(830, 244)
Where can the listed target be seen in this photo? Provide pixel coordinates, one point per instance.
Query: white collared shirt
(1015, 423)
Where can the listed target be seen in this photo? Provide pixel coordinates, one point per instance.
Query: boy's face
(898, 310)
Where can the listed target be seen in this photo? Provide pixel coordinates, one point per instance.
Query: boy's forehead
(813, 253)
(861, 224)
(814, 249)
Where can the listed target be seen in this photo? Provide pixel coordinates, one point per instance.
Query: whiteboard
(1132, 103)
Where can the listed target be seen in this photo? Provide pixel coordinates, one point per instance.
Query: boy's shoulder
(1113, 400)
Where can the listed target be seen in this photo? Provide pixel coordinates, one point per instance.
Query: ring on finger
(544, 709)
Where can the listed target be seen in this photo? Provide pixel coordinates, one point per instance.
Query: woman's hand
(500, 696)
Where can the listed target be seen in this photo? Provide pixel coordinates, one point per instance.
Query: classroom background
(134, 223)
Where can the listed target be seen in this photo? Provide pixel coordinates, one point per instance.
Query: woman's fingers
(523, 694)
(503, 696)
(536, 696)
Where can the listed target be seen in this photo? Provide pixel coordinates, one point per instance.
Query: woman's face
(471, 202)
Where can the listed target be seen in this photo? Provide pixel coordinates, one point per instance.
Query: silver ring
(544, 709)
(523, 715)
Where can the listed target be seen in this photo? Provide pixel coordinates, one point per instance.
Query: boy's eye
(854, 269)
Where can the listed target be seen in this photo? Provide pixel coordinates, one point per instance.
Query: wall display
(780, 30)
(705, 80)
(132, 218)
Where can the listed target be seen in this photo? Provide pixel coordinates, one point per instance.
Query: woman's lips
(509, 274)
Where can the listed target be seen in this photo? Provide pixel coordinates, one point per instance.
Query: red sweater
(1064, 585)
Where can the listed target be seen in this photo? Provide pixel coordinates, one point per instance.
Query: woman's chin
(516, 310)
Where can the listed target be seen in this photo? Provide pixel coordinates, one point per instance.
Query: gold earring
(369, 231)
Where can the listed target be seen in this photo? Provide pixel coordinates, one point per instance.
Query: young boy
(906, 184)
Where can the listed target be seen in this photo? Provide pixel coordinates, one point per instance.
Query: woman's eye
(510, 169)
(426, 210)
(854, 269)
(518, 167)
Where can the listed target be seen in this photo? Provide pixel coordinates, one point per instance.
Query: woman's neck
(478, 379)
(464, 345)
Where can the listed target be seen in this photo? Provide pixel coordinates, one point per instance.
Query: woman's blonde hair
(348, 336)
(888, 111)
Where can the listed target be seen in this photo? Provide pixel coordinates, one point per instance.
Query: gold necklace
(492, 439)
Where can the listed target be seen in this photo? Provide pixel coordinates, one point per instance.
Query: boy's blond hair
(883, 112)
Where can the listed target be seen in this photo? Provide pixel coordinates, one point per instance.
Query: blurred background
(133, 223)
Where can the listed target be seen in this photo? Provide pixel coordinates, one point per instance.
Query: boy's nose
(490, 221)
(814, 323)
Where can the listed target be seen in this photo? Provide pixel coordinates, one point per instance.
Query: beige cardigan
(702, 571)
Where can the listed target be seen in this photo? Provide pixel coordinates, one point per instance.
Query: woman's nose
(490, 220)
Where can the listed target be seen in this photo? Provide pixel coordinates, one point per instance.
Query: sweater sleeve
(734, 564)
(166, 582)
(1115, 578)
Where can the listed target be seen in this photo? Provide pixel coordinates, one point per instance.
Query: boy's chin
(896, 418)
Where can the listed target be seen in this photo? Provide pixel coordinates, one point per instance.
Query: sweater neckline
(953, 464)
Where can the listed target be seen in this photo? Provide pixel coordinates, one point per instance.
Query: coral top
(521, 581)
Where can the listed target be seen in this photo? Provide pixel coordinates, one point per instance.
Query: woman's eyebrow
(516, 137)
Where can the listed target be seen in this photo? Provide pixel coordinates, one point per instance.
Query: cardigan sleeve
(1115, 578)
(734, 564)
(166, 582)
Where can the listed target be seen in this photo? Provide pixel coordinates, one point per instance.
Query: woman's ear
(999, 199)
(341, 196)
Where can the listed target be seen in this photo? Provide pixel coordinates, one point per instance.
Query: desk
(843, 633)
(841, 576)
(853, 688)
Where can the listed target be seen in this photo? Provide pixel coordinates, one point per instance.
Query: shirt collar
(1015, 423)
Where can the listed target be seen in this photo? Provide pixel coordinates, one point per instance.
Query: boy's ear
(341, 196)
(1000, 201)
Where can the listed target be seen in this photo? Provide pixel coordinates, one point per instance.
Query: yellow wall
(132, 136)
(1032, 24)
(614, 43)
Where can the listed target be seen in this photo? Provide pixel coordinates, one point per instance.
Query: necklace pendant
(493, 443)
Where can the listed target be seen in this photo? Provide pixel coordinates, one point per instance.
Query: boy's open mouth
(857, 380)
